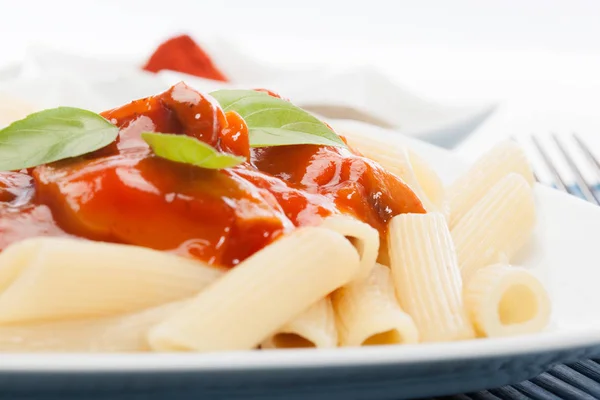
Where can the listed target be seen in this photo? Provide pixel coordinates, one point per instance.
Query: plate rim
(423, 353)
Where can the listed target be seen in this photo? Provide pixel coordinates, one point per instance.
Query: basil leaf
(189, 150)
(52, 135)
(276, 122)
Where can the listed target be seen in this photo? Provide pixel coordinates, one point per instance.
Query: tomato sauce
(123, 193)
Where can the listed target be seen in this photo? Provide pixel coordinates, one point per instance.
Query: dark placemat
(579, 381)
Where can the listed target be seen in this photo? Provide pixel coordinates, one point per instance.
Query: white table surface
(539, 58)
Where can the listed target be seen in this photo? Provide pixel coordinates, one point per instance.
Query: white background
(540, 59)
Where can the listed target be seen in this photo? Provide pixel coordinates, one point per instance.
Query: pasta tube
(364, 238)
(426, 276)
(505, 158)
(430, 183)
(261, 294)
(368, 312)
(497, 226)
(503, 300)
(12, 109)
(123, 333)
(315, 327)
(57, 278)
(405, 164)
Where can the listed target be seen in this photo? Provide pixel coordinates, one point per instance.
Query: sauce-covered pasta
(125, 194)
(119, 231)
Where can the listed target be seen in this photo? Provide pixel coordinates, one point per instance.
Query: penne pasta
(252, 269)
(122, 333)
(12, 109)
(364, 238)
(315, 327)
(497, 226)
(405, 164)
(426, 276)
(58, 278)
(503, 300)
(15, 259)
(393, 158)
(368, 313)
(430, 183)
(487, 171)
(261, 294)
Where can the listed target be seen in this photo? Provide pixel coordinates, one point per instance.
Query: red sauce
(126, 194)
(271, 93)
(182, 54)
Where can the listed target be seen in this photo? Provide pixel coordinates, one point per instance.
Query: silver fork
(577, 160)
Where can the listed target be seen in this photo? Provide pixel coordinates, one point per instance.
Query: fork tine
(557, 178)
(588, 192)
(535, 176)
(585, 149)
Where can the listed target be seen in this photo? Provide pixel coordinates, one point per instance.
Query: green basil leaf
(52, 135)
(276, 122)
(189, 150)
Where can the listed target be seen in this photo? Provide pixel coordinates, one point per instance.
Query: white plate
(564, 251)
